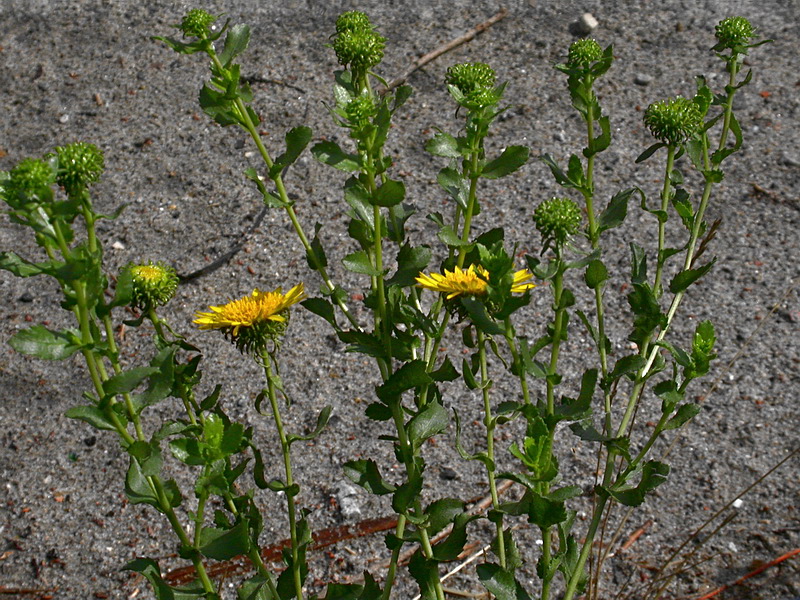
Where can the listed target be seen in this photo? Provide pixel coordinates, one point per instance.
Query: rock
(790, 159)
(347, 498)
(447, 474)
(586, 24)
(643, 79)
(26, 297)
(118, 245)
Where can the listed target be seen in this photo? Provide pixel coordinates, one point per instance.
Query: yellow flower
(470, 282)
(250, 310)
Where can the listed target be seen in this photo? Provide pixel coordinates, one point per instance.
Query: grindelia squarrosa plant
(412, 300)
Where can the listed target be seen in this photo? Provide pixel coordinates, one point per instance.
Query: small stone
(790, 159)
(586, 24)
(738, 503)
(63, 118)
(643, 79)
(118, 245)
(26, 297)
(448, 474)
(560, 136)
(347, 498)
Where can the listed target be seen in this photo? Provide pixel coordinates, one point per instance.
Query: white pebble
(738, 503)
(587, 23)
(118, 245)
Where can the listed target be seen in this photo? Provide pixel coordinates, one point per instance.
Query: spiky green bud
(360, 110)
(153, 284)
(359, 49)
(733, 32)
(471, 77)
(27, 180)
(79, 165)
(673, 121)
(353, 20)
(582, 53)
(557, 219)
(197, 23)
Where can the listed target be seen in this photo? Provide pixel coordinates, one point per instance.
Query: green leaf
(405, 495)
(424, 571)
(411, 375)
(390, 193)
(452, 547)
(431, 420)
(684, 279)
(316, 259)
(449, 237)
(297, 139)
(511, 159)
(127, 381)
(322, 420)
(649, 152)
(220, 544)
(596, 274)
(500, 583)
(654, 473)
(684, 414)
(150, 570)
(360, 262)
(322, 308)
(137, 487)
(255, 588)
(13, 263)
(445, 145)
(446, 372)
(602, 141)
(455, 185)
(330, 153)
(91, 415)
(43, 343)
(410, 262)
(365, 473)
(217, 106)
(235, 43)
(616, 211)
(479, 317)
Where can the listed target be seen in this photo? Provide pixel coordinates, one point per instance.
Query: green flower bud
(673, 121)
(734, 31)
(197, 23)
(361, 110)
(27, 180)
(359, 50)
(353, 20)
(471, 77)
(557, 219)
(582, 53)
(79, 165)
(153, 284)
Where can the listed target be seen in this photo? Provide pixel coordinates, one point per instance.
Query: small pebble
(63, 118)
(118, 245)
(26, 297)
(643, 79)
(447, 474)
(586, 24)
(738, 503)
(790, 159)
(347, 498)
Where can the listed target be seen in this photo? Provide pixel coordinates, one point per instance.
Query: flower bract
(557, 219)
(673, 121)
(153, 284)
(252, 321)
(79, 165)
(734, 31)
(470, 282)
(197, 23)
(582, 53)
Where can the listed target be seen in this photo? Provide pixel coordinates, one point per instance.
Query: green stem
(489, 423)
(511, 338)
(287, 465)
(666, 194)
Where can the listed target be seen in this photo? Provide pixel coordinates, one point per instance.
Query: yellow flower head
(253, 320)
(470, 282)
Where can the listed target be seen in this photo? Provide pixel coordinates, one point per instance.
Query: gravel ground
(88, 70)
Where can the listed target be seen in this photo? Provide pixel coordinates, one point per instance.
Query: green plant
(476, 284)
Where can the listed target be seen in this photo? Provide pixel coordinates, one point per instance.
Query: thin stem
(666, 194)
(511, 338)
(488, 422)
(287, 466)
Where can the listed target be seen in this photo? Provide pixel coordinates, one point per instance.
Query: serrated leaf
(431, 420)
(684, 414)
(684, 279)
(500, 583)
(455, 185)
(653, 474)
(406, 494)
(365, 473)
(235, 43)
(480, 318)
(91, 415)
(297, 139)
(220, 544)
(330, 153)
(322, 308)
(596, 274)
(445, 145)
(510, 160)
(360, 262)
(390, 193)
(410, 375)
(616, 211)
(43, 343)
